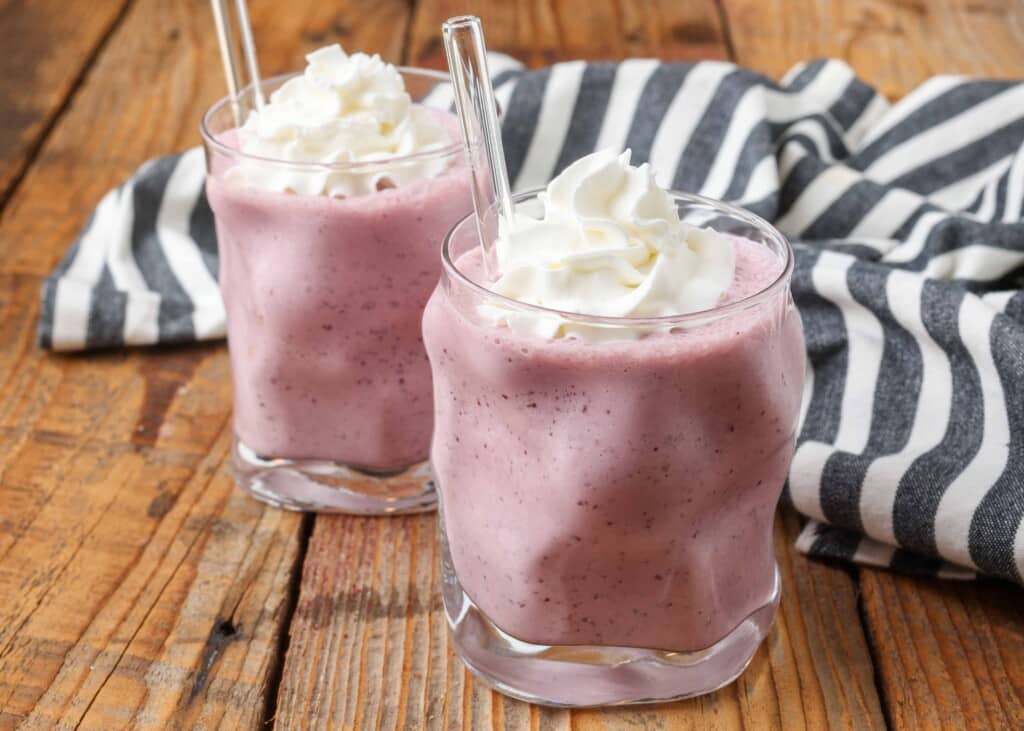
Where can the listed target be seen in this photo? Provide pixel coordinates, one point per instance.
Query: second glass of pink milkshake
(608, 483)
(330, 203)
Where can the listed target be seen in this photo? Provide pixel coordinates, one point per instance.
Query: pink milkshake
(609, 483)
(330, 208)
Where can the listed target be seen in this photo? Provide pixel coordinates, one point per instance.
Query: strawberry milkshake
(331, 201)
(614, 419)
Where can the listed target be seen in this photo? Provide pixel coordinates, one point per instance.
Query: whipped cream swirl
(610, 243)
(342, 109)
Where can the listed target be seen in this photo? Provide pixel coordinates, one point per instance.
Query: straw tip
(460, 21)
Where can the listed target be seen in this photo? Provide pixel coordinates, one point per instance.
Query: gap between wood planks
(284, 637)
(855, 573)
(48, 125)
(872, 644)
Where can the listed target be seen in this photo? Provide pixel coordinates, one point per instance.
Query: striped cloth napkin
(908, 228)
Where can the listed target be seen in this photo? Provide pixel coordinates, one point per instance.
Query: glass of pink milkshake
(614, 420)
(331, 201)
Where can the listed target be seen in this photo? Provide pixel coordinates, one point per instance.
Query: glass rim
(700, 316)
(210, 139)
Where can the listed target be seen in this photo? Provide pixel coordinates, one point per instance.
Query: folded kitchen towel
(907, 222)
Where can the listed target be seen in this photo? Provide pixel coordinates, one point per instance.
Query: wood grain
(949, 654)
(539, 32)
(896, 44)
(47, 47)
(371, 26)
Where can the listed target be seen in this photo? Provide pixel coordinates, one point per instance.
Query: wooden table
(139, 588)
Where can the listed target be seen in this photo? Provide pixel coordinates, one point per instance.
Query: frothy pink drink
(617, 493)
(324, 300)
(331, 202)
(608, 464)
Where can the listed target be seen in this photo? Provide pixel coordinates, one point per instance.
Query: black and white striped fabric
(907, 220)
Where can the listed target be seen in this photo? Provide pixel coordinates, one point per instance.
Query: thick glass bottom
(329, 487)
(593, 675)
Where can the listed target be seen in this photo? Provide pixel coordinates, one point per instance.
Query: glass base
(575, 676)
(329, 487)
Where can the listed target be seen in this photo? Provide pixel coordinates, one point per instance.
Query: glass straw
(474, 101)
(229, 54)
(249, 50)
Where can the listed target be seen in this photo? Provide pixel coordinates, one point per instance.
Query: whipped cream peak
(342, 109)
(610, 243)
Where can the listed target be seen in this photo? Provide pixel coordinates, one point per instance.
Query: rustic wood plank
(48, 47)
(541, 33)
(120, 559)
(185, 631)
(896, 44)
(368, 619)
(371, 26)
(949, 654)
(139, 585)
(109, 533)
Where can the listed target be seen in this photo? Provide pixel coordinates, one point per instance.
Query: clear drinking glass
(324, 298)
(607, 504)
